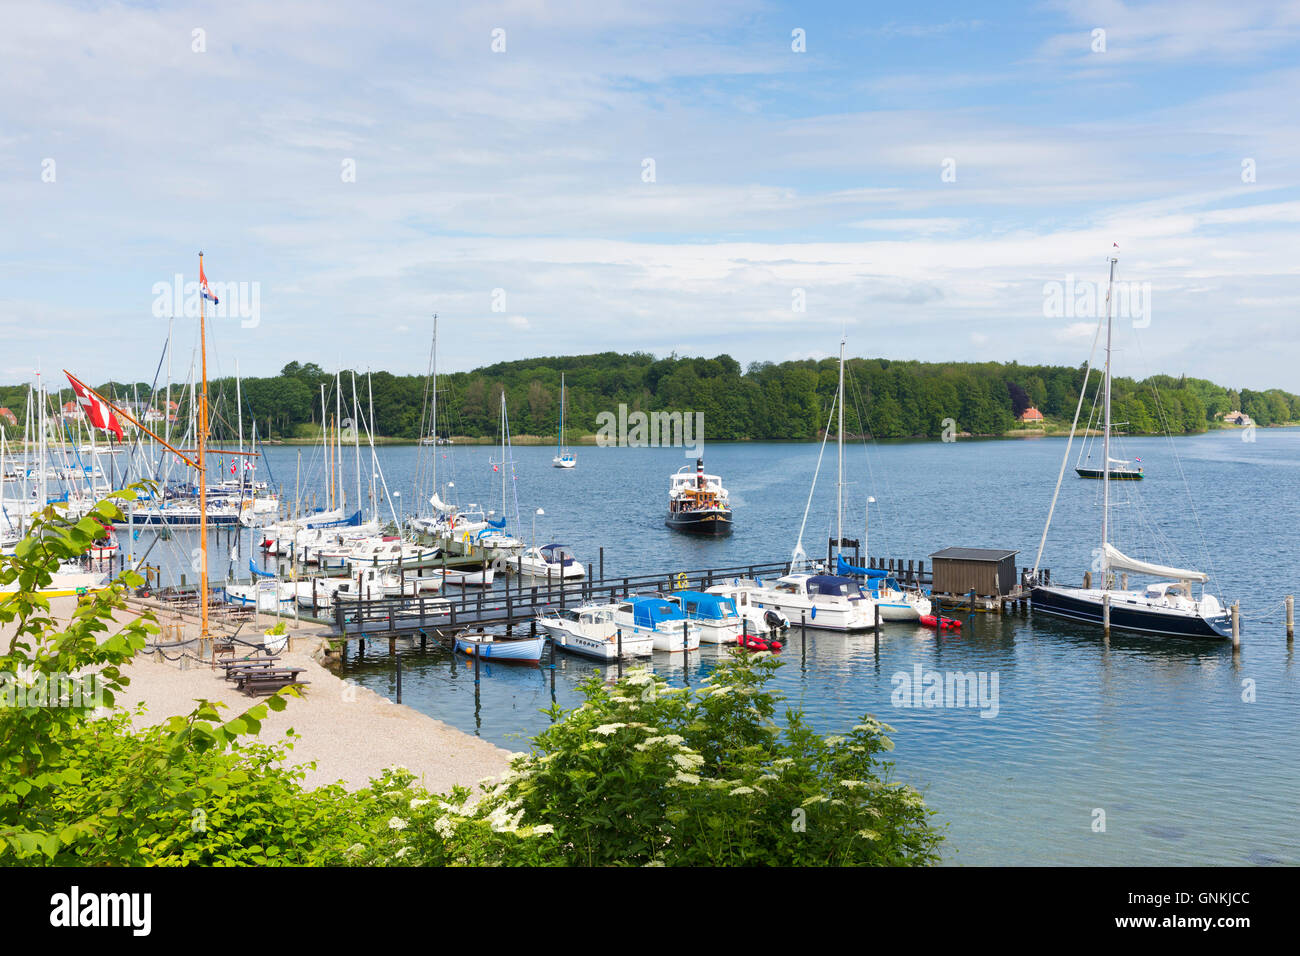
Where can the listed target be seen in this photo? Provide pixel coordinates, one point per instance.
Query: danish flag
(98, 412)
(203, 285)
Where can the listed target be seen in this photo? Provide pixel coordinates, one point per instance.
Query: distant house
(73, 412)
(1031, 414)
(1238, 418)
(8, 417)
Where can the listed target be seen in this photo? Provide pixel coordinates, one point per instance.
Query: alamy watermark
(1075, 299)
(39, 689)
(651, 430)
(235, 300)
(930, 689)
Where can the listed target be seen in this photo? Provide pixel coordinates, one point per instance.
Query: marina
(747, 438)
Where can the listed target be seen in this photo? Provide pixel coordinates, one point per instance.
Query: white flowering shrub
(644, 774)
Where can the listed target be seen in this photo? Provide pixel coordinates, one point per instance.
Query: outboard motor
(775, 620)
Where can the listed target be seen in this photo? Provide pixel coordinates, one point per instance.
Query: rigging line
(1191, 504)
(864, 423)
(1066, 457)
(798, 554)
(1089, 439)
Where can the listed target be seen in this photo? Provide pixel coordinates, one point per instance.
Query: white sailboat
(1169, 607)
(563, 457)
(833, 602)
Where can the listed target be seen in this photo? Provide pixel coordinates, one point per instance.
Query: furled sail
(1116, 560)
(439, 504)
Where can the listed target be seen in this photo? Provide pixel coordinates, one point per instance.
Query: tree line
(766, 401)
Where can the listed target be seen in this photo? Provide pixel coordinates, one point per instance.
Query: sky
(556, 178)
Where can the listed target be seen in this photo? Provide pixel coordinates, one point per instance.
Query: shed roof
(974, 554)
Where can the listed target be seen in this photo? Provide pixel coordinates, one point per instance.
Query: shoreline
(349, 732)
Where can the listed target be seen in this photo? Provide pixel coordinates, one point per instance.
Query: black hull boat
(1115, 474)
(713, 523)
(1168, 607)
(697, 503)
(1128, 612)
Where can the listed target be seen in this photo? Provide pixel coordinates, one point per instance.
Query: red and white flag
(98, 413)
(203, 286)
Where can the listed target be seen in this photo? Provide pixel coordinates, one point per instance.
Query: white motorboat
(592, 632)
(758, 620)
(269, 596)
(660, 619)
(825, 601)
(549, 561)
(716, 615)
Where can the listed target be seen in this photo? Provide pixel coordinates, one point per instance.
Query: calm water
(1153, 731)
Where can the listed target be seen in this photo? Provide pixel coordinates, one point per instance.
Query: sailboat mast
(839, 487)
(203, 472)
(338, 440)
(356, 441)
(559, 438)
(503, 454)
(433, 472)
(1105, 461)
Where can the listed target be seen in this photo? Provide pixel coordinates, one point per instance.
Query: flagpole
(203, 474)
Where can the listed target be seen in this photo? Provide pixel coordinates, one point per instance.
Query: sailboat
(563, 457)
(1167, 607)
(834, 602)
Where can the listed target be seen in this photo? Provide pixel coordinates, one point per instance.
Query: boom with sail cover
(1116, 560)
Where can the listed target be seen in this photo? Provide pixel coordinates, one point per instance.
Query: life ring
(681, 581)
(465, 537)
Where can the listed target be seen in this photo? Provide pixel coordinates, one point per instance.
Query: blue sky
(522, 171)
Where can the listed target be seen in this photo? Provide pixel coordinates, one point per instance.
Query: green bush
(645, 774)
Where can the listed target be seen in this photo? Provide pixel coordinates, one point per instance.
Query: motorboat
(592, 632)
(825, 601)
(549, 561)
(714, 614)
(660, 618)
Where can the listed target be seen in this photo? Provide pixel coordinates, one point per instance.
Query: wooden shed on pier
(989, 572)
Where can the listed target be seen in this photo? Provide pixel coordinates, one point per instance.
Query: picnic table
(267, 680)
(248, 664)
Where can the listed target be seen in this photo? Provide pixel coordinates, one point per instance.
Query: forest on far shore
(766, 401)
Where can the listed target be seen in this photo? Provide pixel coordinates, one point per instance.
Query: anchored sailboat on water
(1167, 607)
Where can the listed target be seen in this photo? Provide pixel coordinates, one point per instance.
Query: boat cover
(831, 584)
(1116, 560)
(843, 567)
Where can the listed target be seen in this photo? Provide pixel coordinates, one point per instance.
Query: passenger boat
(1169, 607)
(661, 619)
(592, 632)
(523, 650)
(697, 503)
